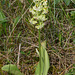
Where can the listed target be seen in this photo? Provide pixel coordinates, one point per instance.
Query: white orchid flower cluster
(38, 11)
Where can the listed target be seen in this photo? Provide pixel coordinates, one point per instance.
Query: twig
(70, 9)
(18, 59)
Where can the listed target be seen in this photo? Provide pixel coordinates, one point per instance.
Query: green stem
(39, 39)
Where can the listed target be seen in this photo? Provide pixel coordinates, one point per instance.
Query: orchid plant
(39, 11)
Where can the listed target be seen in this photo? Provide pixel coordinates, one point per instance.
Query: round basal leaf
(73, 1)
(67, 2)
(11, 69)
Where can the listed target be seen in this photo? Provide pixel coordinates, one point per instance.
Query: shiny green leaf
(11, 69)
(43, 65)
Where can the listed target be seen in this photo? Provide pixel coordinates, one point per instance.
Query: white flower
(35, 0)
(45, 2)
(32, 11)
(35, 17)
(41, 17)
(32, 21)
(45, 11)
(39, 26)
(37, 8)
